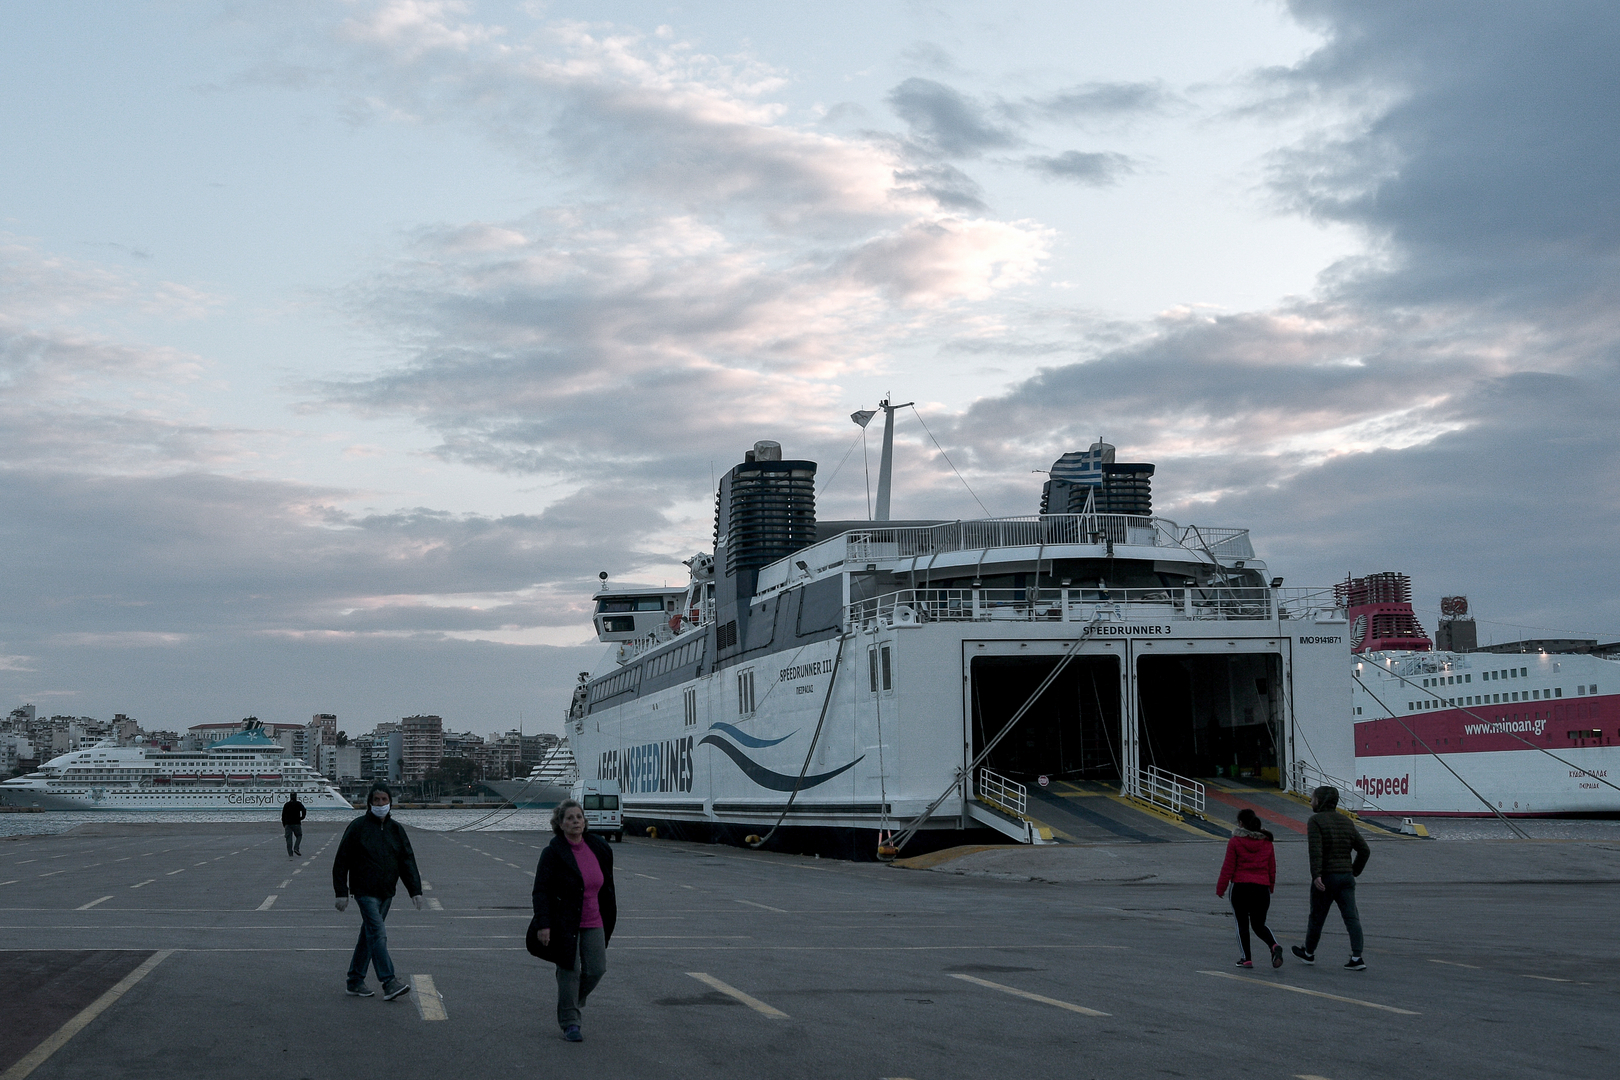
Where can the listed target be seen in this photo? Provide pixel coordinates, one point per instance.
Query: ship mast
(886, 465)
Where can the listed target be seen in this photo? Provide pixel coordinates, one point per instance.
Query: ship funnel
(765, 450)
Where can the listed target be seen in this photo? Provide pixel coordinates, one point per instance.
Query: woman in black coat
(574, 911)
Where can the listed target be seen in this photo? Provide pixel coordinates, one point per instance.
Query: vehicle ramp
(1088, 812)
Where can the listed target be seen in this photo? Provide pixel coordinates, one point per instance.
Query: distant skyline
(342, 344)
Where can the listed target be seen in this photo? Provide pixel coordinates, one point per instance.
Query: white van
(600, 800)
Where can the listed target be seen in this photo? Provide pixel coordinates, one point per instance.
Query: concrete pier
(202, 950)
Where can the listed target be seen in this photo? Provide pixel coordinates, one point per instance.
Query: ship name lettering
(1148, 630)
(1594, 773)
(801, 671)
(649, 767)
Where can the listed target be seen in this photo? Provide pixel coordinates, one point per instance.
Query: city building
(421, 746)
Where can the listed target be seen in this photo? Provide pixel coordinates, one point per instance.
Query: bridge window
(689, 705)
(888, 672)
(745, 693)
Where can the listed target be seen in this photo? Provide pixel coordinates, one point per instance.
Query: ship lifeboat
(215, 777)
(239, 777)
(269, 776)
(185, 776)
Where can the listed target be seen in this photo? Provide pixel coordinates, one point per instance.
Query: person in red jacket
(1251, 869)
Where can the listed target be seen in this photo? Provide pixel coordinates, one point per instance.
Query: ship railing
(1075, 604)
(1307, 778)
(1166, 790)
(1002, 793)
(860, 547)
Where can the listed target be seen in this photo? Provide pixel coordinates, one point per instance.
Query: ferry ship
(1443, 733)
(898, 679)
(547, 784)
(244, 771)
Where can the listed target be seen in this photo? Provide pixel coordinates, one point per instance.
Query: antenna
(886, 464)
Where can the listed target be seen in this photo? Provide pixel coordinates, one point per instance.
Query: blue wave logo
(747, 739)
(758, 773)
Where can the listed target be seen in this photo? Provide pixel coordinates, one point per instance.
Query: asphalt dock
(202, 950)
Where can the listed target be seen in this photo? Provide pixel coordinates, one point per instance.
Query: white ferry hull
(693, 752)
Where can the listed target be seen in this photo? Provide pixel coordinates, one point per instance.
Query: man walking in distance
(371, 858)
(292, 818)
(1333, 839)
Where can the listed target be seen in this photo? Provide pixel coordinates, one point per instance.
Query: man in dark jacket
(292, 818)
(1338, 855)
(371, 858)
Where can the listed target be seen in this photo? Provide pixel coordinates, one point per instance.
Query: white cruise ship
(245, 771)
(885, 677)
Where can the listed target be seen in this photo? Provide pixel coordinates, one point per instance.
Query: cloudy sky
(342, 344)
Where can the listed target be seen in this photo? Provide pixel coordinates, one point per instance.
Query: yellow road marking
(732, 992)
(91, 904)
(1312, 993)
(428, 1001)
(271, 899)
(1015, 992)
(39, 1054)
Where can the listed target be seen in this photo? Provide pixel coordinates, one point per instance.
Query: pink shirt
(591, 871)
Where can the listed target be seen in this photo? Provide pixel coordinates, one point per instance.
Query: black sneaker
(397, 988)
(572, 1033)
(361, 991)
(1276, 956)
(1356, 964)
(1304, 957)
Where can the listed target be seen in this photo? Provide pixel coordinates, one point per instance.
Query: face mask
(380, 811)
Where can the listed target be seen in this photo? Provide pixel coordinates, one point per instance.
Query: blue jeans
(372, 948)
(1341, 890)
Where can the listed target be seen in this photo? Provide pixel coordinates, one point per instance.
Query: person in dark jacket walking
(1251, 869)
(575, 908)
(1338, 855)
(292, 819)
(371, 858)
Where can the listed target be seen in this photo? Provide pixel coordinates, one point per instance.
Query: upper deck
(992, 542)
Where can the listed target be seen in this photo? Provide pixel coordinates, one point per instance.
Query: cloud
(1368, 425)
(947, 121)
(1096, 170)
(1105, 101)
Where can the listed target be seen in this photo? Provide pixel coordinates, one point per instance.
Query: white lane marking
(126, 858)
(428, 1000)
(25, 862)
(203, 863)
(52, 873)
(91, 904)
(1312, 993)
(732, 992)
(300, 870)
(765, 907)
(171, 873)
(58, 1039)
(148, 881)
(649, 877)
(1308, 1076)
(434, 905)
(13, 881)
(271, 899)
(692, 887)
(284, 884)
(514, 866)
(1015, 992)
(1544, 978)
(1453, 963)
(427, 886)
